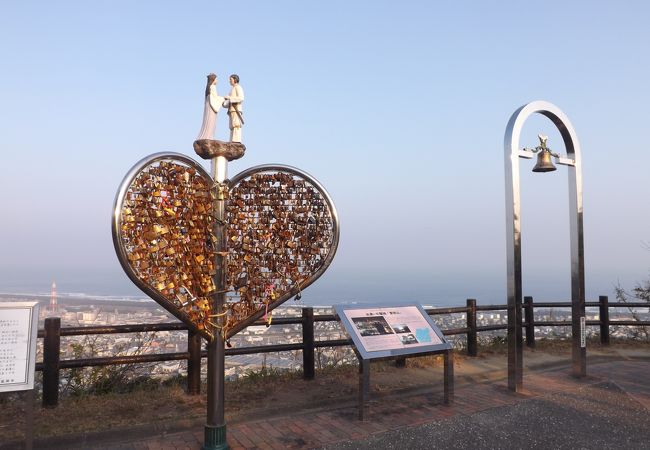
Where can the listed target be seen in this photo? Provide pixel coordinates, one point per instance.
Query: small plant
(105, 379)
(425, 362)
(493, 344)
(641, 292)
(266, 374)
(325, 357)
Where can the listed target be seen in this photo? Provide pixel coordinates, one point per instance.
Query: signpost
(18, 332)
(388, 332)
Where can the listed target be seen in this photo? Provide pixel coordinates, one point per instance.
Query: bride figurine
(212, 104)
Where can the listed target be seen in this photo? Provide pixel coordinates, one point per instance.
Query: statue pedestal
(210, 148)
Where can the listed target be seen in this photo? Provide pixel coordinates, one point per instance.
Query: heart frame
(123, 253)
(170, 305)
(323, 265)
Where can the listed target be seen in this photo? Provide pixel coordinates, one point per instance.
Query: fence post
(51, 358)
(308, 343)
(193, 363)
(529, 317)
(472, 337)
(604, 319)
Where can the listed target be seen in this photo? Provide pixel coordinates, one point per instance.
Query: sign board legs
(29, 419)
(364, 382)
(449, 377)
(364, 385)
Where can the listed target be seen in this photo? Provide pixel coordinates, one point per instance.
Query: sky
(398, 108)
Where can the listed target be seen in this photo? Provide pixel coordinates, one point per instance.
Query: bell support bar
(529, 154)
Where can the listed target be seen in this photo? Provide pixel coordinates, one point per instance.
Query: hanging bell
(544, 163)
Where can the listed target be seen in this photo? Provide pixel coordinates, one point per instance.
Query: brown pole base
(215, 438)
(210, 148)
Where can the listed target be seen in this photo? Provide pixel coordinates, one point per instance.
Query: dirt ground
(258, 395)
(269, 393)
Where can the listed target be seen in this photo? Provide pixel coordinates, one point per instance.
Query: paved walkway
(397, 419)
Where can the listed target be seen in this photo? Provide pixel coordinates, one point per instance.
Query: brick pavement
(390, 412)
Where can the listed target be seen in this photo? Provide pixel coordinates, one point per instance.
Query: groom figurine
(233, 103)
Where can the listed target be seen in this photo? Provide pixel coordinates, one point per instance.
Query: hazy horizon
(451, 292)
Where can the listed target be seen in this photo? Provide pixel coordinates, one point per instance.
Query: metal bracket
(528, 154)
(565, 161)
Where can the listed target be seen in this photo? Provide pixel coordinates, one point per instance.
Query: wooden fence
(52, 333)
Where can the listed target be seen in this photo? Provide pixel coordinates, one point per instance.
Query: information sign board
(387, 331)
(18, 333)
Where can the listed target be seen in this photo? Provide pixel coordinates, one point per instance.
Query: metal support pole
(472, 335)
(308, 343)
(515, 352)
(51, 358)
(529, 314)
(578, 340)
(215, 428)
(604, 319)
(193, 363)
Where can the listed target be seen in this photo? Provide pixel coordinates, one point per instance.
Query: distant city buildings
(86, 312)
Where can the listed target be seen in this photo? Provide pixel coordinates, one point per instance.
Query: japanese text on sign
(18, 323)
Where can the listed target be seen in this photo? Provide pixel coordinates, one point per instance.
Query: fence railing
(52, 333)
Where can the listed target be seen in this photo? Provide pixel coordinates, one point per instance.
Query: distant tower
(53, 305)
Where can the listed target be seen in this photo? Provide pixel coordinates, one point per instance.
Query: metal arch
(116, 223)
(335, 231)
(513, 237)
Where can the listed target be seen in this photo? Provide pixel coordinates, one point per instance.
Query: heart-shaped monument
(281, 231)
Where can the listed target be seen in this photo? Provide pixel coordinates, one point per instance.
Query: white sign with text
(18, 333)
(391, 330)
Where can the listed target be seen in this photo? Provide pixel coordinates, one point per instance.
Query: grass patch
(79, 414)
(266, 374)
(425, 362)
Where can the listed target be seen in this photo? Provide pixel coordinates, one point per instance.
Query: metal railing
(52, 333)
